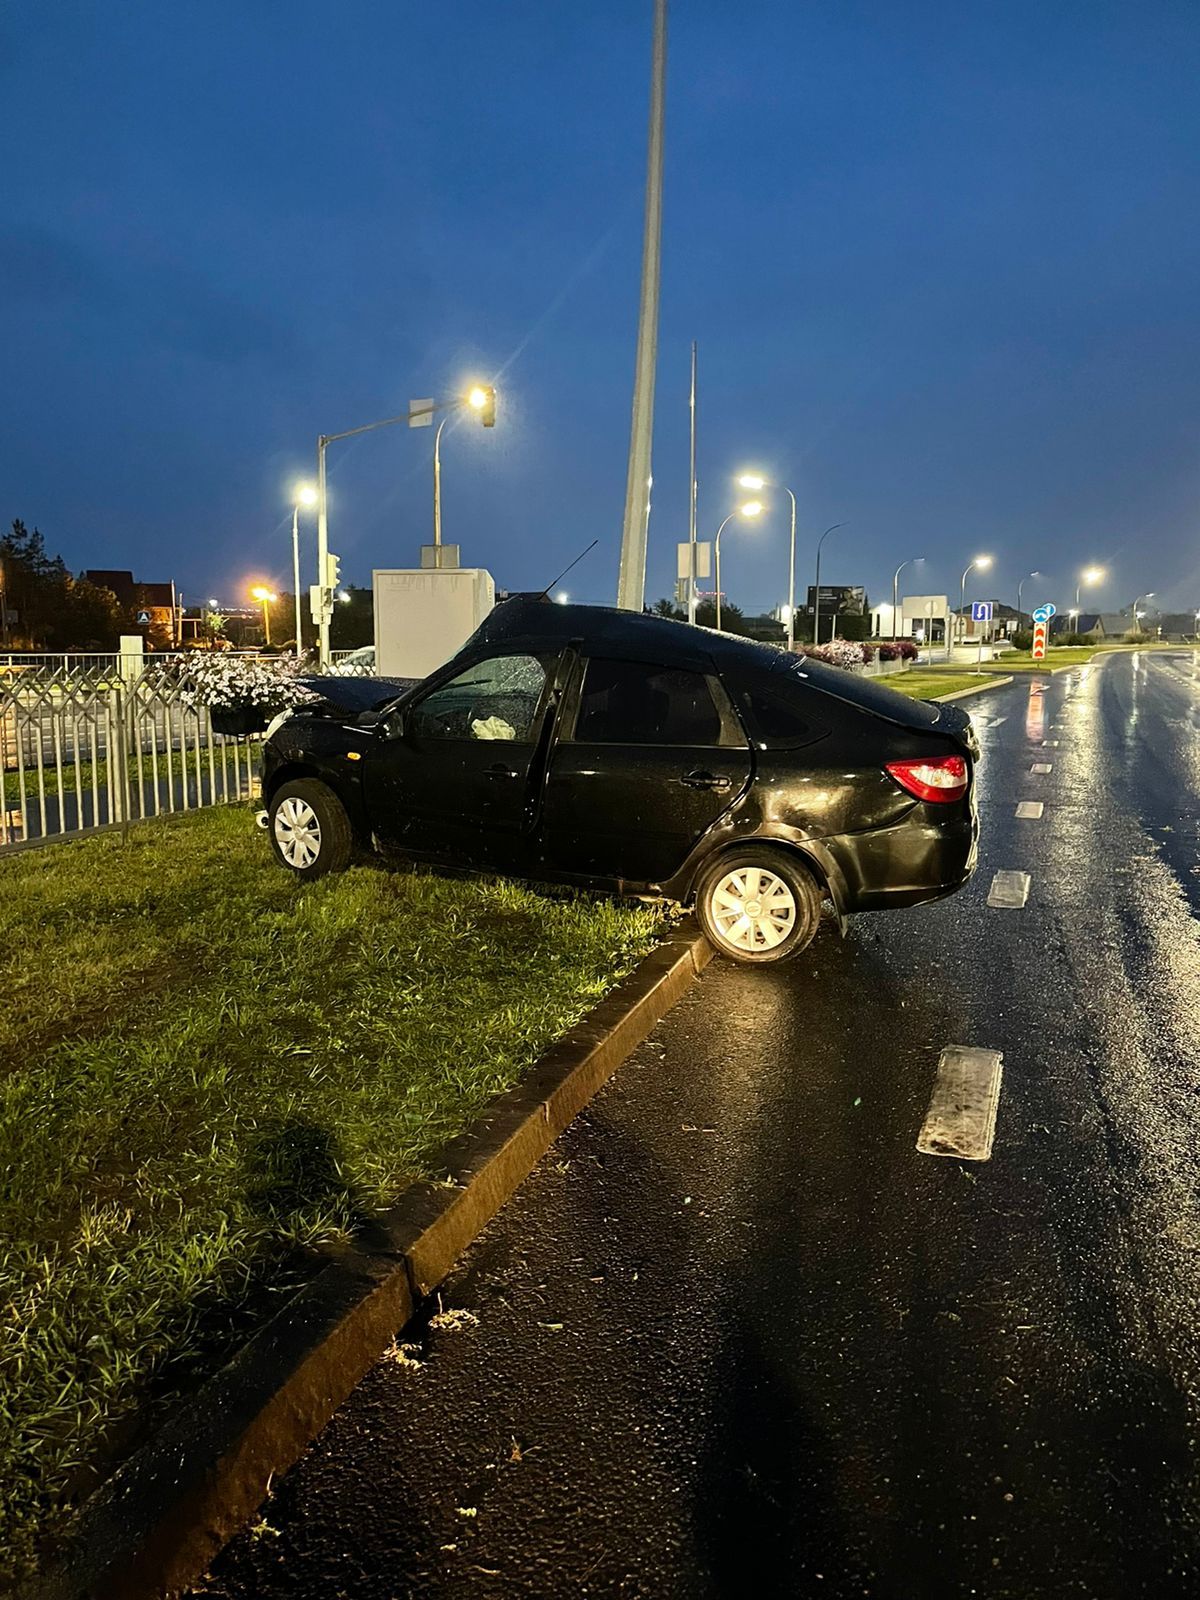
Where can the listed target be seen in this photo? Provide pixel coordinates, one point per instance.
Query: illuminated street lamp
(1090, 575)
(983, 563)
(480, 397)
(305, 495)
(751, 508)
(751, 480)
(1137, 615)
(482, 400)
(266, 598)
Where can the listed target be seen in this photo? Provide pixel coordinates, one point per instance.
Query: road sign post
(1041, 625)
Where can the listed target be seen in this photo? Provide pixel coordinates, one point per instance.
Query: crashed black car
(582, 745)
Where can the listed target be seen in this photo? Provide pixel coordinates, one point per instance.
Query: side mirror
(393, 725)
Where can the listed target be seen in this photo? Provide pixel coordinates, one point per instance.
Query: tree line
(44, 606)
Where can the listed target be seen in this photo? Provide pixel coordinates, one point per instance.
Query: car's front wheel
(758, 905)
(309, 830)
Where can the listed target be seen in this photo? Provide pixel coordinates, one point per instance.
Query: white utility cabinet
(424, 614)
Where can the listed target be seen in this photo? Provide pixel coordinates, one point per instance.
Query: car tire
(758, 905)
(308, 828)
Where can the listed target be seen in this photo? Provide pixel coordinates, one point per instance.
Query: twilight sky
(942, 258)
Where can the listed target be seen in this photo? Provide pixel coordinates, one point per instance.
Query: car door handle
(705, 780)
(500, 771)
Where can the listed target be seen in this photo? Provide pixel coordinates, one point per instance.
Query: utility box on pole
(424, 614)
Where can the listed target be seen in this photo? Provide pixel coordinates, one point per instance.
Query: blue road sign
(1044, 613)
(981, 610)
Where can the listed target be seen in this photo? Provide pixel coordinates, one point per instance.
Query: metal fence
(84, 746)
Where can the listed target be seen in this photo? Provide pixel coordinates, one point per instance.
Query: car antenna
(565, 570)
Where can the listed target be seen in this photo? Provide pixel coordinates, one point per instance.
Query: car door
(650, 757)
(452, 779)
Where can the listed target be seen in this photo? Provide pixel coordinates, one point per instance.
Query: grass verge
(207, 1071)
(927, 683)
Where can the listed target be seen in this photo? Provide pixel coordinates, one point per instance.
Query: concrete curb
(961, 694)
(156, 1525)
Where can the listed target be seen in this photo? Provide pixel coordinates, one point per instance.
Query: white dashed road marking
(1050, 744)
(961, 1120)
(1029, 810)
(1041, 766)
(1009, 890)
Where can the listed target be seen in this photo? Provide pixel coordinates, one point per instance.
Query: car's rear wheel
(758, 905)
(309, 830)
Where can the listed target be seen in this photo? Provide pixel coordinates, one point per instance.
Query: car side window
(631, 702)
(494, 699)
(778, 721)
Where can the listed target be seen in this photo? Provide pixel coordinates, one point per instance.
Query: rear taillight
(941, 778)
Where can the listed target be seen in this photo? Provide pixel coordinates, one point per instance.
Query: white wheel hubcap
(752, 909)
(297, 832)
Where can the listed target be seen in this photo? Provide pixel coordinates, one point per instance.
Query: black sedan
(636, 755)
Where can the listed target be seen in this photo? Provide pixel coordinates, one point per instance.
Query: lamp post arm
(717, 564)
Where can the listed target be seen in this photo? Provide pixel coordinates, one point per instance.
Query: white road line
(961, 1120)
(1049, 744)
(1029, 809)
(1041, 766)
(1009, 890)
(996, 721)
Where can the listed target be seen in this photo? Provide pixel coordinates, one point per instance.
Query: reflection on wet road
(737, 1333)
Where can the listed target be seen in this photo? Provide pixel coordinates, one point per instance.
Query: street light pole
(912, 560)
(691, 598)
(437, 482)
(1021, 586)
(479, 398)
(717, 561)
(296, 571)
(817, 588)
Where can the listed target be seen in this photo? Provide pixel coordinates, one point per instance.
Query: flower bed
(242, 694)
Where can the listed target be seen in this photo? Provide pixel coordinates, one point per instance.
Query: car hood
(358, 694)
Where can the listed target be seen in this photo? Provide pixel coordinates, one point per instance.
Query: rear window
(869, 693)
(779, 719)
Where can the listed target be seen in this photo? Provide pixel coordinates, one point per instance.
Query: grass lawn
(208, 1070)
(930, 683)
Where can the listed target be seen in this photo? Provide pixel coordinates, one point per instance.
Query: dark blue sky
(942, 260)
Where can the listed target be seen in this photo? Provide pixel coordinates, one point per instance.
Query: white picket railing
(86, 748)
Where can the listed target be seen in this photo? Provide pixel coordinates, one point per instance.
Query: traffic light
(482, 400)
(333, 568)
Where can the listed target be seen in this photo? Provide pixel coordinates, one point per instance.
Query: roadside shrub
(868, 651)
(844, 653)
(1023, 639)
(906, 650)
(888, 651)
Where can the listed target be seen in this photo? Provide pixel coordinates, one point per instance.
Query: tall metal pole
(631, 581)
(962, 606)
(296, 574)
(437, 482)
(322, 552)
(691, 606)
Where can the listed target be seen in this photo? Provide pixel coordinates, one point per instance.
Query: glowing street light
(751, 508)
(480, 397)
(1138, 615)
(983, 563)
(267, 598)
(752, 480)
(303, 495)
(562, 597)
(1089, 575)
(1020, 586)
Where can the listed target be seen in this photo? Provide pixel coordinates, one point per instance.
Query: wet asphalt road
(736, 1334)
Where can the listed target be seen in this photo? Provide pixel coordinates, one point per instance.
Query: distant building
(155, 602)
(923, 617)
(1006, 620)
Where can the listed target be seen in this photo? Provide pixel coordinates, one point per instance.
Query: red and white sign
(1039, 640)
